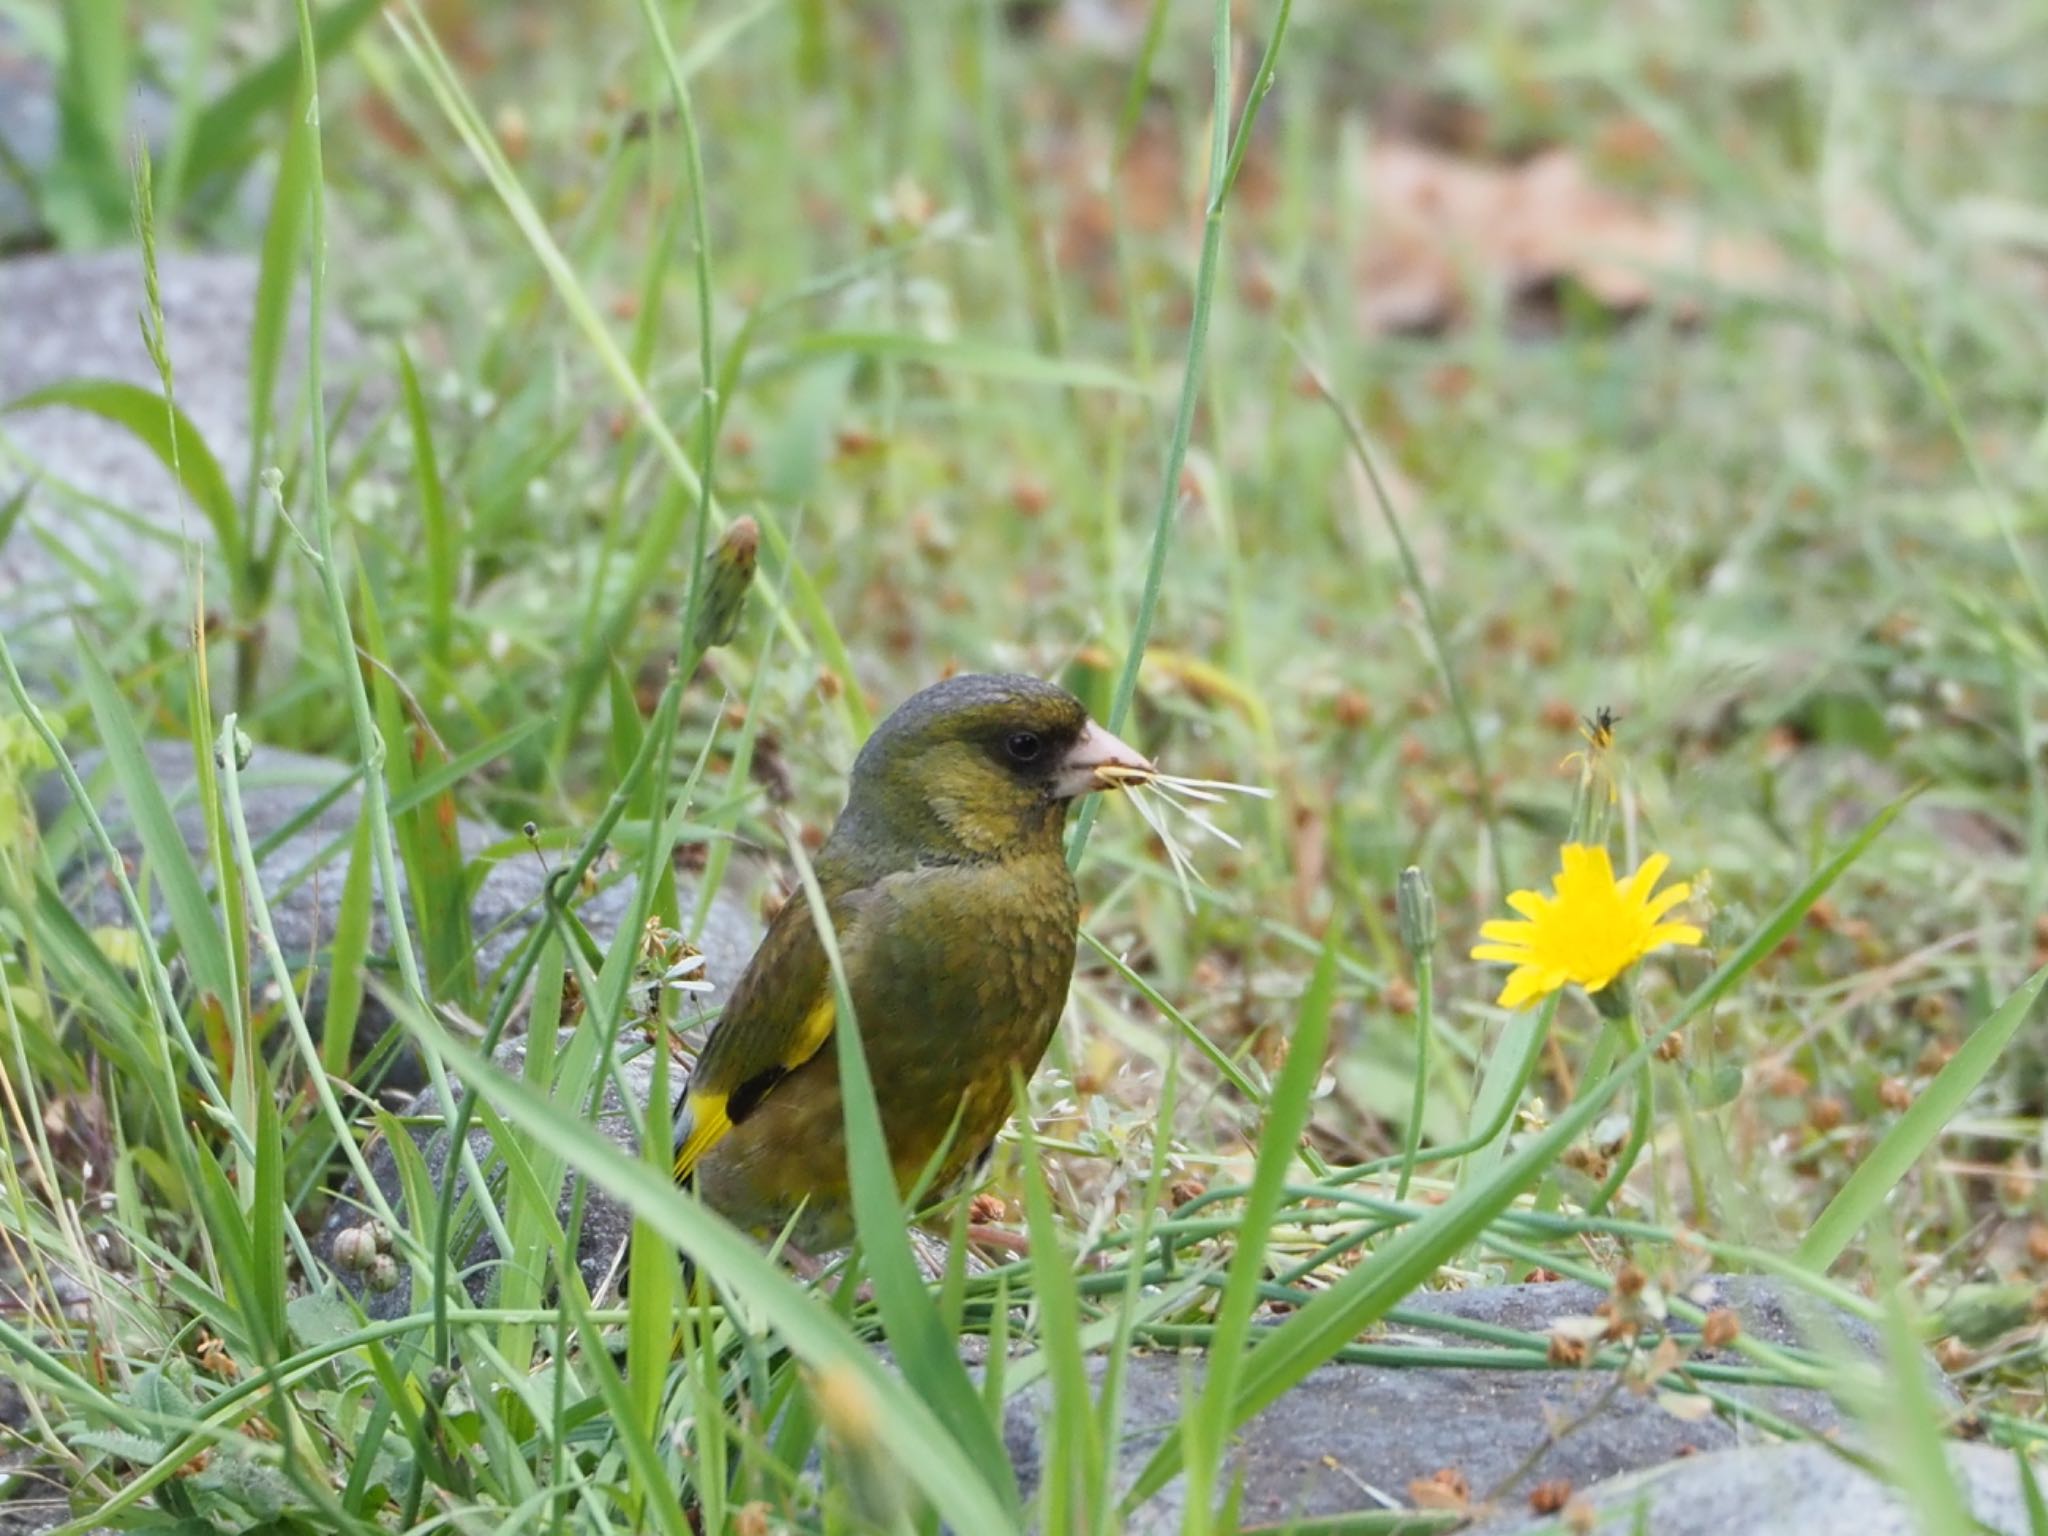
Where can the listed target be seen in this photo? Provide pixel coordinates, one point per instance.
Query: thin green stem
(1640, 1114)
(1439, 640)
(1223, 162)
(1425, 1026)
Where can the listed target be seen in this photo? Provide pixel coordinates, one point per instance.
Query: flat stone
(1780, 1490)
(70, 317)
(1353, 1437)
(277, 787)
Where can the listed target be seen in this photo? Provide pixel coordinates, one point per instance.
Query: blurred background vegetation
(1697, 350)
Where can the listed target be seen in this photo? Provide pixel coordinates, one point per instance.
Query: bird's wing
(780, 1015)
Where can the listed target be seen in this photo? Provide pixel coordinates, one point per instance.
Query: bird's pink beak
(1098, 761)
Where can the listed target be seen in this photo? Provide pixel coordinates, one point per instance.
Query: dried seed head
(1825, 1112)
(1353, 709)
(985, 1208)
(1446, 1488)
(354, 1250)
(2037, 1243)
(1548, 1498)
(1721, 1328)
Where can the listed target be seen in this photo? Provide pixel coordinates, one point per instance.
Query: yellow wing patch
(710, 1114)
(708, 1125)
(811, 1036)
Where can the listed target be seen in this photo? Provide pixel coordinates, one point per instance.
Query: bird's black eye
(1024, 746)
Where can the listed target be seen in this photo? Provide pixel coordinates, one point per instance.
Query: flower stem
(1640, 1114)
(1425, 1026)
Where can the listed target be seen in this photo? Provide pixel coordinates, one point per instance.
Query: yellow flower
(1592, 930)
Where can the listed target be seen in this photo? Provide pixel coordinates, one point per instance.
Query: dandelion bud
(727, 575)
(1617, 1000)
(1416, 907)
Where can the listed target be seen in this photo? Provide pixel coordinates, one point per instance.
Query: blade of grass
(166, 432)
(923, 1446)
(1221, 161)
(284, 236)
(1206, 1431)
(1907, 1420)
(228, 131)
(925, 1351)
(349, 957)
(163, 844)
(1072, 1461)
(442, 537)
(1886, 1165)
(85, 195)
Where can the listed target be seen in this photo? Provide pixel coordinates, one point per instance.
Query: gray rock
(606, 1223)
(38, 1502)
(68, 317)
(304, 891)
(1782, 1490)
(1352, 1437)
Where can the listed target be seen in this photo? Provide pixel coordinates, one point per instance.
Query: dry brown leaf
(1445, 229)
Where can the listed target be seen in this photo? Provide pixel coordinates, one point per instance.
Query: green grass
(1026, 353)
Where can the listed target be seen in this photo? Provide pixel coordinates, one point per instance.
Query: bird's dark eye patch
(1024, 746)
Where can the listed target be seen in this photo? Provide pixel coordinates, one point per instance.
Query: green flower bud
(727, 575)
(239, 743)
(1617, 1000)
(1416, 907)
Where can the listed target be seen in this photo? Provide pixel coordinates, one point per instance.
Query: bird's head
(980, 767)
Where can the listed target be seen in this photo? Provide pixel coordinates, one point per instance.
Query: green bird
(947, 885)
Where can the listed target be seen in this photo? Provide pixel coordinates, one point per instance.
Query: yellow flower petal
(1674, 933)
(1507, 954)
(1526, 985)
(1507, 932)
(1585, 861)
(1665, 900)
(1647, 874)
(1588, 930)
